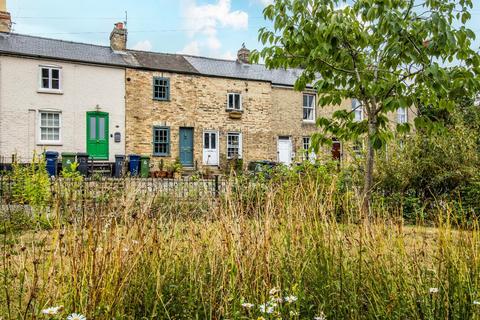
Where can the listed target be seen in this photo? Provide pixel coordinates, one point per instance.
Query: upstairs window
(234, 102)
(49, 127)
(50, 78)
(234, 145)
(161, 89)
(402, 115)
(161, 141)
(308, 107)
(358, 110)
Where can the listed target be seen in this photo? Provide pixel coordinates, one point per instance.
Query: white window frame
(40, 79)
(307, 107)
(240, 144)
(400, 115)
(357, 110)
(311, 156)
(40, 141)
(234, 108)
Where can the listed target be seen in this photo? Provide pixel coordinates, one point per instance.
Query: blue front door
(186, 147)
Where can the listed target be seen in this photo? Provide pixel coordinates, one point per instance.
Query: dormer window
(50, 79)
(234, 102)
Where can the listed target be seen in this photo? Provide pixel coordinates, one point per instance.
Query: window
(161, 141)
(49, 127)
(161, 89)
(308, 107)
(358, 148)
(50, 79)
(358, 110)
(307, 153)
(402, 115)
(234, 102)
(234, 145)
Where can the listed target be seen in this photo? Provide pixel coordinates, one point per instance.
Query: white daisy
(293, 313)
(76, 316)
(476, 302)
(290, 299)
(433, 290)
(52, 311)
(248, 305)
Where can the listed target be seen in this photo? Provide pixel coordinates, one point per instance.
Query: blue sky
(215, 28)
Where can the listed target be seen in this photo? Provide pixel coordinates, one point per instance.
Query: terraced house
(107, 100)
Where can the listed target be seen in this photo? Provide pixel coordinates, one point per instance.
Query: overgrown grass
(136, 255)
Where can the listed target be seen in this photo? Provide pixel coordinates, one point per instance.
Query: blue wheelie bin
(51, 159)
(134, 164)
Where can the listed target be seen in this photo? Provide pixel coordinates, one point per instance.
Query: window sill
(308, 121)
(160, 155)
(49, 143)
(234, 110)
(161, 100)
(50, 91)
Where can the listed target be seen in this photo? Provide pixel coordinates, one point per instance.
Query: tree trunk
(369, 161)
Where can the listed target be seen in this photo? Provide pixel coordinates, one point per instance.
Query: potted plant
(162, 173)
(177, 168)
(170, 170)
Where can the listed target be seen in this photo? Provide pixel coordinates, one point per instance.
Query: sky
(214, 28)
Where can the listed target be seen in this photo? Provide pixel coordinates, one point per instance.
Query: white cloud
(203, 22)
(192, 48)
(144, 45)
(229, 56)
(266, 2)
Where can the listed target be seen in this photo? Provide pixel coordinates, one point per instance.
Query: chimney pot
(5, 18)
(243, 55)
(118, 37)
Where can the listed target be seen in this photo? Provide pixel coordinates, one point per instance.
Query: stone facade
(200, 103)
(269, 113)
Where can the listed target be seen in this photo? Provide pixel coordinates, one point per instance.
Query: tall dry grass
(135, 255)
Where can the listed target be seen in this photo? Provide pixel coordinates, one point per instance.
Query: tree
(387, 54)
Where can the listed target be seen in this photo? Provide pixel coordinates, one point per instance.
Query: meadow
(289, 248)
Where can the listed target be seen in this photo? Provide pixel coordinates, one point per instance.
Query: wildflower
(320, 317)
(135, 242)
(293, 313)
(76, 316)
(433, 290)
(260, 318)
(262, 308)
(274, 291)
(247, 305)
(52, 311)
(270, 310)
(476, 302)
(278, 300)
(291, 299)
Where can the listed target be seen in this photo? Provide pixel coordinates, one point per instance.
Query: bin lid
(68, 154)
(134, 156)
(82, 154)
(119, 156)
(51, 153)
(144, 156)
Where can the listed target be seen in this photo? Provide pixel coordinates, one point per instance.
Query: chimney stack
(5, 18)
(243, 54)
(118, 37)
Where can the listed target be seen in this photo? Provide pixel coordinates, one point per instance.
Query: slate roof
(32, 46)
(65, 50)
(234, 69)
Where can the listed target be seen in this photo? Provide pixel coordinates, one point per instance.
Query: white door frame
(217, 146)
(289, 139)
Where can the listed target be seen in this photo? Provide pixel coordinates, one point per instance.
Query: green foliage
(386, 54)
(31, 183)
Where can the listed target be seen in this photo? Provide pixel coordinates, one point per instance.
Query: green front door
(97, 135)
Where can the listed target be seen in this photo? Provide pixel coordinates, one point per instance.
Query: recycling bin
(134, 164)
(68, 158)
(119, 163)
(51, 159)
(144, 166)
(82, 160)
